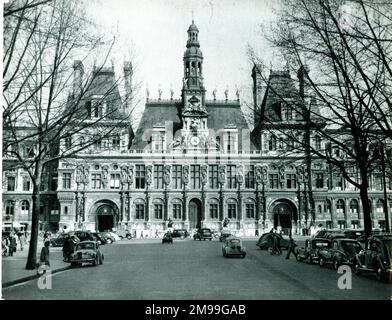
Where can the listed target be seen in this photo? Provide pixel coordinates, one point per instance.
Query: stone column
(122, 206)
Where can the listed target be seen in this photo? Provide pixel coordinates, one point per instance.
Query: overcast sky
(155, 31)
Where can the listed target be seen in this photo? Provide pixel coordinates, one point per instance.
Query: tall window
(272, 143)
(291, 181)
(10, 207)
(328, 206)
(377, 178)
(273, 181)
(354, 206)
(177, 211)
(214, 210)
(88, 109)
(250, 177)
(380, 206)
(140, 174)
(289, 113)
(11, 183)
(317, 143)
(158, 176)
(116, 142)
(25, 206)
(339, 182)
(115, 181)
(195, 176)
(250, 210)
(319, 180)
(66, 181)
(139, 211)
(68, 143)
(232, 211)
(158, 210)
(340, 206)
(55, 208)
(177, 176)
(158, 141)
(213, 176)
(26, 183)
(96, 180)
(231, 176)
(230, 142)
(218, 143)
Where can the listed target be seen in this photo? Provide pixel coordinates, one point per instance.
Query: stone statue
(159, 94)
(264, 172)
(226, 93)
(130, 174)
(222, 174)
(281, 172)
(124, 174)
(105, 173)
(204, 174)
(237, 93)
(147, 94)
(240, 174)
(259, 174)
(167, 174)
(149, 174)
(185, 172)
(171, 94)
(214, 94)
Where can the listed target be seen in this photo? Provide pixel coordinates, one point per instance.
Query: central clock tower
(194, 113)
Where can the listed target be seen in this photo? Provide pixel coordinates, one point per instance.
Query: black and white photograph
(208, 151)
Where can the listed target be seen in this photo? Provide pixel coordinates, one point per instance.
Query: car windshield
(351, 247)
(87, 245)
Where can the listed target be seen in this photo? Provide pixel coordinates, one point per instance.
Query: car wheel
(321, 262)
(335, 264)
(109, 241)
(129, 237)
(357, 269)
(74, 264)
(298, 258)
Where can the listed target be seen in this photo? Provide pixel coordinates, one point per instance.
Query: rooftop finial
(192, 18)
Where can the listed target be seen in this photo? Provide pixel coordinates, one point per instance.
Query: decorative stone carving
(264, 173)
(204, 177)
(300, 174)
(105, 176)
(124, 175)
(149, 174)
(167, 175)
(185, 172)
(222, 174)
(240, 173)
(130, 174)
(258, 174)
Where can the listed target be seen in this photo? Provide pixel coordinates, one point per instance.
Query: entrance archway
(194, 213)
(284, 213)
(106, 215)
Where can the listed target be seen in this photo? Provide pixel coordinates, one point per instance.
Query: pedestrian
(274, 239)
(12, 244)
(66, 248)
(291, 248)
(44, 257)
(22, 240)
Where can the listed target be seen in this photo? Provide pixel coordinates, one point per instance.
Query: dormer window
(230, 139)
(277, 109)
(272, 143)
(158, 139)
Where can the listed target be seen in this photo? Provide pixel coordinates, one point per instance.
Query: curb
(32, 277)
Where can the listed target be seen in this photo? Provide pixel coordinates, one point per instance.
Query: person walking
(12, 244)
(66, 249)
(275, 244)
(44, 262)
(291, 247)
(22, 240)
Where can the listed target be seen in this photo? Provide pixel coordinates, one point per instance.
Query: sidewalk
(14, 268)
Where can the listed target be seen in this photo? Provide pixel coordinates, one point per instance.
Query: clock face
(195, 141)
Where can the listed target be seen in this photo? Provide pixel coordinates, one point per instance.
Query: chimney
(78, 72)
(128, 72)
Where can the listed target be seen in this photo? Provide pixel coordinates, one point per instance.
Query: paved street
(146, 269)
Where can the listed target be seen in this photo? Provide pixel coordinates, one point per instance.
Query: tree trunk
(31, 263)
(363, 191)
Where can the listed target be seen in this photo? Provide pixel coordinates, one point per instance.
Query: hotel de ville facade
(195, 162)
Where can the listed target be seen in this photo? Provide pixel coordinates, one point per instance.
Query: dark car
(99, 238)
(233, 247)
(266, 241)
(342, 251)
(86, 252)
(180, 233)
(330, 234)
(310, 251)
(224, 235)
(377, 258)
(167, 238)
(203, 234)
(58, 241)
(83, 235)
(107, 236)
(356, 234)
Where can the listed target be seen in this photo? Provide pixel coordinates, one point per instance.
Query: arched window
(328, 205)
(380, 206)
(340, 206)
(218, 143)
(177, 208)
(354, 206)
(232, 209)
(214, 208)
(250, 208)
(10, 207)
(25, 206)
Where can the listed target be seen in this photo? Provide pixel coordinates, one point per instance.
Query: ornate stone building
(197, 162)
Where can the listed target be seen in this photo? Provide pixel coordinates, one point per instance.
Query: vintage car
(224, 235)
(265, 241)
(106, 235)
(99, 238)
(167, 238)
(342, 251)
(202, 234)
(233, 247)
(58, 241)
(86, 252)
(180, 233)
(330, 234)
(310, 251)
(377, 258)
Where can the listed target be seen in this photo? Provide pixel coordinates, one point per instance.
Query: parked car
(357, 234)
(82, 235)
(109, 238)
(202, 234)
(115, 236)
(58, 241)
(266, 241)
(180, 233)
(377, 258)
(329, 234)
(342, 251)
(99, 238)
(310, 251)
(224, 235)
(167, 238)
(128, 235)
(87, 252)
(233, 247)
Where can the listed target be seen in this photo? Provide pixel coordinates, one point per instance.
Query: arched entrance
(284, 214)
(194, 213)
(106, 215)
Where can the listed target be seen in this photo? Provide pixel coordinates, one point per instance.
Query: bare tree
(48, 98)
(345, 97)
